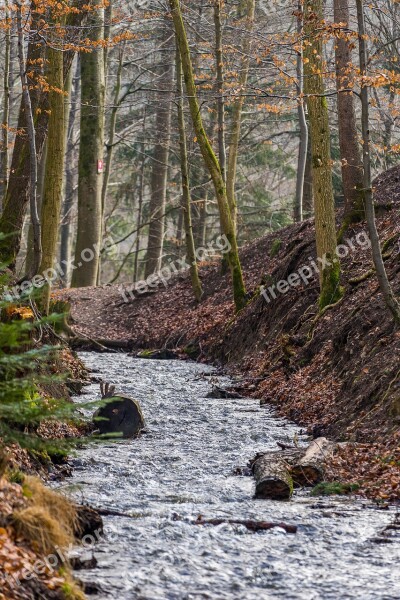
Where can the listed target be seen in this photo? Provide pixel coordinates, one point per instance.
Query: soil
(337, 374)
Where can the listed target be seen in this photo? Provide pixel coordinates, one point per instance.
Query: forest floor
(337, 374)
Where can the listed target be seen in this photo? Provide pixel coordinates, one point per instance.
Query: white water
(184, 466)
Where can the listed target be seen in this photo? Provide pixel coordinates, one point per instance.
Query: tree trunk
(197, 171)
(160, 165)
(352, 169)
(17, 195)
(384, 283)
(308, 190)
(108, 19)
(247, 6)
(202, 221)
(33, 159)
(40, 187)
(53, 183)
(113, 123)
(219, 67)
(70, 178)
(303, 143)
(186, 198)
(140, 203)
(325, 228)
(88, 242)
(18, 189)
(212, 163)
(4, 155)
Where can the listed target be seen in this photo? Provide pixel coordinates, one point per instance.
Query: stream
(184, 465)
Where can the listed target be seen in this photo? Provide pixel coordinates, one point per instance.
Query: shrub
(25, 367)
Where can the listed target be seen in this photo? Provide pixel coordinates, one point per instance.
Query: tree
(159, 171)
(54, 173)
(351, 163)
(4, 153)
(227, 225)
(219, 69)
(186, 198)
(70, 113)
(303, 144)
(248, 8)
(18, 193)
(33, 162)
(91, 148)
(314, 88)
(27, 150)
(384, 283)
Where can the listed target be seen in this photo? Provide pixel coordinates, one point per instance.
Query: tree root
(310, 335)
(362, 278)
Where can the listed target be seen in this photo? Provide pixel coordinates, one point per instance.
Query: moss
(239, 290)
(147, 353)
(331, 290)
(70, 588)
(334, 489)
(276, 246)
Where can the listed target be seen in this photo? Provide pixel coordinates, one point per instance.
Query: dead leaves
(18, 562)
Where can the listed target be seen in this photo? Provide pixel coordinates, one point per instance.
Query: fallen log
(309, 470)
(273, 478)
(277, 472)
(99, 345)
(250, 525)
(106, 512)
(160, 354)
(289, 454)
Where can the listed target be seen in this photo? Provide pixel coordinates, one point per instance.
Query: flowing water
(184, 465)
